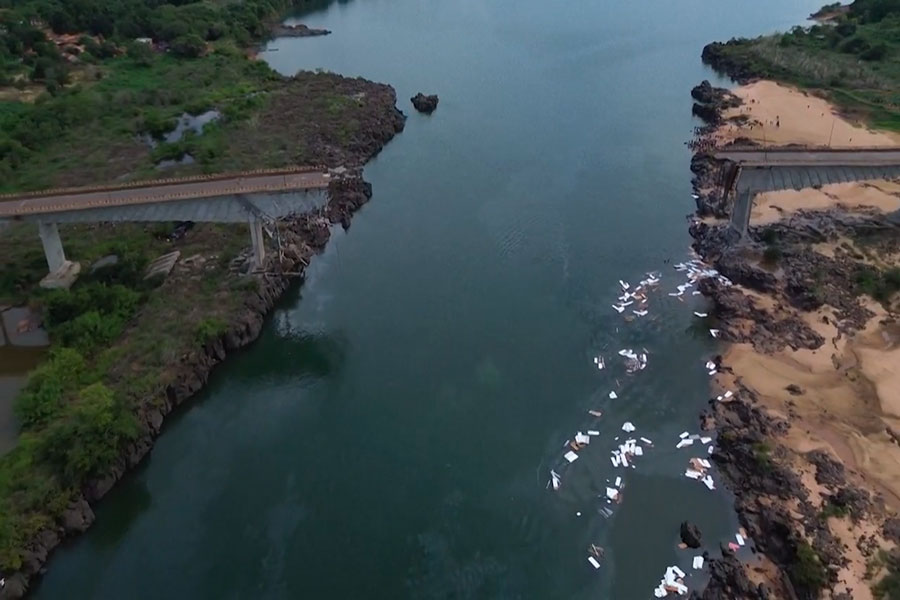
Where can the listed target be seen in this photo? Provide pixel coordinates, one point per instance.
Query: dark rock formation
(690, 534)
(299, 30)
(711, 102)
(424, 104)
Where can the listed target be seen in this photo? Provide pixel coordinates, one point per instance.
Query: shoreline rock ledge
(424, 104)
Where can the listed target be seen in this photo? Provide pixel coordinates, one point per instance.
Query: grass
(807, 571)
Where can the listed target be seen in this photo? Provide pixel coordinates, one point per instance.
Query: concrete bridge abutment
(62, 272)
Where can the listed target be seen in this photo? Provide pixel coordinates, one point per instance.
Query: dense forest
(852, 53)
(105, 27)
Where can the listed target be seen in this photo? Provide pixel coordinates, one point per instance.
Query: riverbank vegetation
(90, 92)
(853, 57)
(116, 338)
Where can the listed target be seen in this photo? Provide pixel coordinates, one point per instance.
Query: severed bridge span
(252, 197)
(752, 170)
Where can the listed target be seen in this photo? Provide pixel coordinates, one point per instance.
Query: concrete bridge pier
(62, 272)
(259, 242)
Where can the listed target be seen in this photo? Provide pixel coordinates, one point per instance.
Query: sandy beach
(778, 114)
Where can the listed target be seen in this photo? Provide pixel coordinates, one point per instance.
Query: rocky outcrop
(711, 102)
(690, 535)
(299, 30)
(424, 104)
(718, 56)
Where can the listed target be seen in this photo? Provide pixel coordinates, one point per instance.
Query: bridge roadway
(152, 192)
(252, 197)
(752, 170)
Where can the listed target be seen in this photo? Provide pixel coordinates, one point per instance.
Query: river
(391, 433)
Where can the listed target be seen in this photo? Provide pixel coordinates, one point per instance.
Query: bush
(876, 52)
(807, 570)
(44, 395)
(89, 331)
(772, 254)
(61, 306)
(210, 329)
(188, 46)
(89, 440)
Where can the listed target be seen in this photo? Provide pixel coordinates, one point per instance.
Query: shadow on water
(299, 356)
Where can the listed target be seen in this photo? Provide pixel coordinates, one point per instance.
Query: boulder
(690, 534)
(424, 104)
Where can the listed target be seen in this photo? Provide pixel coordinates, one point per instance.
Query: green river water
(391, 433)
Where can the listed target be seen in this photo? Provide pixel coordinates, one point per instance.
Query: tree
(188, 46)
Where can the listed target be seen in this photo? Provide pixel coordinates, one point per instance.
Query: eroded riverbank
(808, 440)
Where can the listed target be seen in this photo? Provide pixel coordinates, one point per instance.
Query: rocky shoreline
(301, 238)
(780, 279)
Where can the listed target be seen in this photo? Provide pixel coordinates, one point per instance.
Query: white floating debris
(628, 427)
(593, 562)
(678, 571)
(728, 394)
(709, 365)
(555, 479)
(618, 309)
(638, 451)
(640, 313)
(581, 438)
(646, 441)
(570, 456)
(705, 440)
(692, 474)
(593, 432)
(598, 360)
(624, 285)
(612, 493)
(712, 372)
(618, 482)
(704, 463)
(710, 450)
(614, 459)
(613, 395)
(739, 538)
(708, 480)
(714, 333)
(700, 314)
(683, 434)
(698, 562)
(696, 293)
(685, 442)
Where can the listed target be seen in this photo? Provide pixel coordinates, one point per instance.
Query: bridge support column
(259, 243)
(62, 272)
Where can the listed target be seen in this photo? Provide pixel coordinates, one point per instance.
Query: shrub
(45, 393)
(807, 570)
(88, 441)
(89, 331)
(209, 330)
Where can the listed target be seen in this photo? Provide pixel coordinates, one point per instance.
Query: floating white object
(714, 333)
(705, 440)
(695, 293)
(624, 461)
(698, 562)
(570, 456)
(646, 441)
(618, 309)
(612, 493)
(638, 451)
(712, 372)
(555, 479)
(678, 572)
(739, 538)
(692, 474)
(628, 427)
(683, 434)
(593, 562)
(684, 442)
(709, 364)
(618, 482)
(624, 285)
(709, 450)
(581, 438)
(613, 395)
(614, 460)
(640, 313)
(593, 432)
(700, 314)
(704, 463)
(709, 482)
(728, 394)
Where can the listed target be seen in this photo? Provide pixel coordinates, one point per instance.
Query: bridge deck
(162, 192)
(808, 157)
